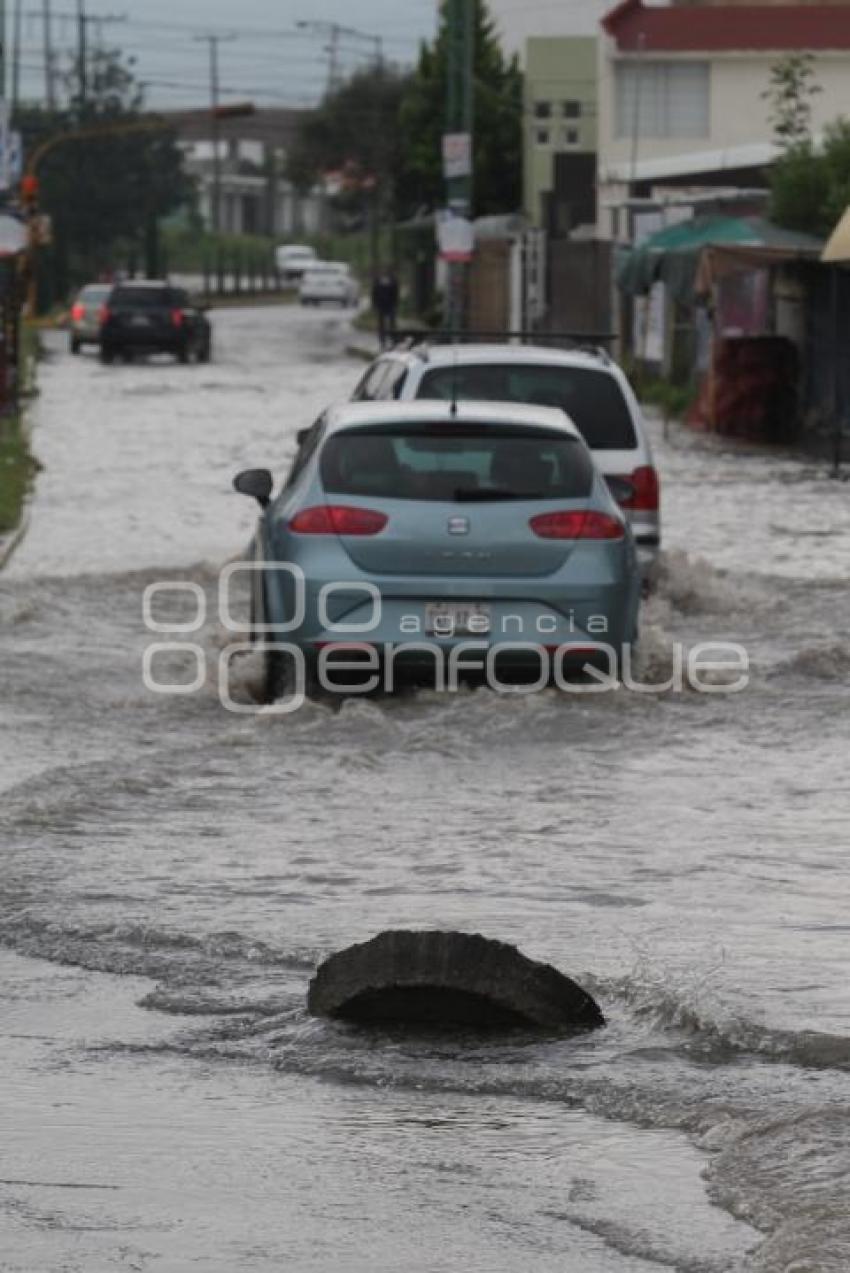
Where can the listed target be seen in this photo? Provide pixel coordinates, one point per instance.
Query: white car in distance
(292, 259)
(329, 283)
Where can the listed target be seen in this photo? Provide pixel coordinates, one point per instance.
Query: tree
(355, 134)
(790, 94)
(106, 194)
(497, 111)
(810, 186)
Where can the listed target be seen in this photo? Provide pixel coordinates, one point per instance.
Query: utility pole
(49, 82)
(2, 50)
(82, 53)
(460, 15)
(214, 41)
(335, 32)
(83, 20)
(16, 54)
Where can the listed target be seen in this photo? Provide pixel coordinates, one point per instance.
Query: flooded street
(172, 873)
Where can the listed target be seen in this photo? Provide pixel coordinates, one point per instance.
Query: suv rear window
(464, 463)
(142, 297)
(592, 399)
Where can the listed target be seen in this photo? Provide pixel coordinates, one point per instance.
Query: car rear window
(456, 462)
(142, 297)
(94, 293)
(592, 399)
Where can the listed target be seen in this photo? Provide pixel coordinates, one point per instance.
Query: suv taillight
(645, 496)
(78, 312)
(337, 519)
(581, 523)
(177, 317)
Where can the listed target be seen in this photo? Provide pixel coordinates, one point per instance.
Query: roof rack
(586, 342)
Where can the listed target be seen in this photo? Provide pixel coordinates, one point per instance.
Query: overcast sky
(269, 60)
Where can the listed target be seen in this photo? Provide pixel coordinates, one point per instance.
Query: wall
(579, 287)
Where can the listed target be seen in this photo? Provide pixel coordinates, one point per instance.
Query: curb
(10, 541)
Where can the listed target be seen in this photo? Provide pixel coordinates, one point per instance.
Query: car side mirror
(622, 489)
(301, 436)
(257, 483)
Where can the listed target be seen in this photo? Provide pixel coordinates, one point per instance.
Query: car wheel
(280, 677)
(107, 355)
(76, 344)
(205, 351)
(183, 354)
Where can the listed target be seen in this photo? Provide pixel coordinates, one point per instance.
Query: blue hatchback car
(435, 541)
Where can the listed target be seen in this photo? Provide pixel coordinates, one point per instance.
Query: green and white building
(559, 177)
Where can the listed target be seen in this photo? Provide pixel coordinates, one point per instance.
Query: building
(256, 197)
(682, 93)
(560, 132)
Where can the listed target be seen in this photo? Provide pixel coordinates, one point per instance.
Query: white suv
(583, 382)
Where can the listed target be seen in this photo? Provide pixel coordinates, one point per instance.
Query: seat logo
(458, 525)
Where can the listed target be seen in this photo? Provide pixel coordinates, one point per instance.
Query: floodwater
(172, 872)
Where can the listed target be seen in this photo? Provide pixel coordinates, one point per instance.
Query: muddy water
(172, 872)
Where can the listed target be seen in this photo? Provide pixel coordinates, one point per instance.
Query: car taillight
(337, 519)
(582, 523)
(78, 312)
(104, 314)
(177, 317)
(645, 496)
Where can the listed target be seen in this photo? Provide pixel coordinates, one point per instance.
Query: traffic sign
(457, 155)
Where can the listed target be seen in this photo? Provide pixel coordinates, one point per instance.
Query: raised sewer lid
(447, 979)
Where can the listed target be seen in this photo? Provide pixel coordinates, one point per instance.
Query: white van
(292, 259)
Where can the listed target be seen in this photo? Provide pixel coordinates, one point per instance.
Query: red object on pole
(29, 188)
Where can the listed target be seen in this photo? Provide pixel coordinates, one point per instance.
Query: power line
(334, 31)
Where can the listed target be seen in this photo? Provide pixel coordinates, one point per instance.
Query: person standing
(385, 305)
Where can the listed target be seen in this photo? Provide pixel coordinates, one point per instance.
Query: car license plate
(457, 618)
(139, 321)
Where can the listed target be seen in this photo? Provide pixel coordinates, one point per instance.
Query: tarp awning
(673, 255)
(837, 248)
(716, 262)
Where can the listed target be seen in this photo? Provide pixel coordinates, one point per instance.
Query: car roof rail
(592, 343)
(408, 339)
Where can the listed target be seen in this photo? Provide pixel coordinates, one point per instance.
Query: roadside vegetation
(17, 465)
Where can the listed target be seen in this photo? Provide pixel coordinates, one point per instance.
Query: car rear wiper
(477, 494)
